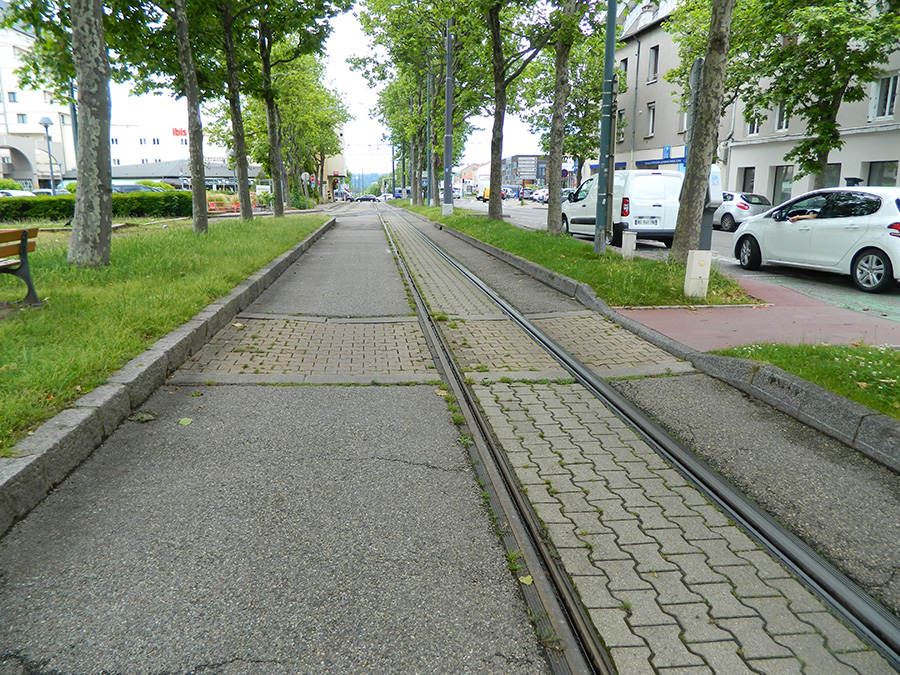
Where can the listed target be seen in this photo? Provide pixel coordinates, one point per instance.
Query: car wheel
(871, 271)
(749, 255)
(727, 223)
(565, 224)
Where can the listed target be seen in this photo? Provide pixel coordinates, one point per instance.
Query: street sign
(565, 173)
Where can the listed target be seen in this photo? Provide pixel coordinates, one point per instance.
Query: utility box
(696, 277)
(713, 201)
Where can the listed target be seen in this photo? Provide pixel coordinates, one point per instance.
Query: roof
(175, 169)
(647, 16)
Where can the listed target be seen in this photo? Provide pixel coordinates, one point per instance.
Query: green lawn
(95, 320)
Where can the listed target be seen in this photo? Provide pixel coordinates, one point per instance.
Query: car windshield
(757, 200)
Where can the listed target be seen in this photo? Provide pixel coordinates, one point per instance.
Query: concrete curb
(58, 446)
(873, 434)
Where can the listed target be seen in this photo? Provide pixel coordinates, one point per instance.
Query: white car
(853, 231)
(645, 201)
(384, 197)
(540, 195)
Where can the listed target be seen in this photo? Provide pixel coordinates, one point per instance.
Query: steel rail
(582, 651)
(869, 618)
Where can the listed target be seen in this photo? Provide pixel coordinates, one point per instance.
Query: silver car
(737, 207)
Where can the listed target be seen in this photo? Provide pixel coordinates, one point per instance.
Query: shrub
(71, 187)
(174, 204)
(9, 184)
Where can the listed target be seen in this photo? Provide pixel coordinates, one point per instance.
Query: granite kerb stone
(876, 436)
(43, 459)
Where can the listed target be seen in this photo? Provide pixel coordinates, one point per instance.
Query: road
(835, 289)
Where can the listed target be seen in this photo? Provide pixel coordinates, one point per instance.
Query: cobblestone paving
(609, 349)
(670, 584)
(315, 346)
(445, 289)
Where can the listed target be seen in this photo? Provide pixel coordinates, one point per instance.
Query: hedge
(136, 204)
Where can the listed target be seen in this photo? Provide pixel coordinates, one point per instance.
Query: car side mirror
(571, 197)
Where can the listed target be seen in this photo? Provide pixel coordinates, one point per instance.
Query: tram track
(878, 626)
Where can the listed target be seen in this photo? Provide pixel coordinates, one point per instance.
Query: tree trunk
(89, 245)
(705, 133)
(495, 203)
(563, 48)
(234, 105)
(195, 126)
(274, 133)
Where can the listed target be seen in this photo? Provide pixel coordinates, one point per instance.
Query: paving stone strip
(671, 585)
(309, 347)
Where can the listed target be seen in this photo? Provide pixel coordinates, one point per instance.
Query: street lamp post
(46, 122)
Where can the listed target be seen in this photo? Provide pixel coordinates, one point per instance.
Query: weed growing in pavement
(513, 559)
(863, 373)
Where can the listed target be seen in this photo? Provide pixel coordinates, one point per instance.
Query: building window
(883, 173)
(113, 141)
(833, 175)
(143, 141)
(184, 141)
(753, 127)
(784, 180)
(748, 178)
(683, 121)
(117, 162)
(651, 119)
(12, 97)
(155, 141)
(653, 68)
(623, 75)
(22, 119)
(884, 97)
(143, 161)
(781, 118)
(63, 119)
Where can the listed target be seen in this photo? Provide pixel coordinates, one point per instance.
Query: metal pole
(430, 169)
(447, 208)
(604, 198)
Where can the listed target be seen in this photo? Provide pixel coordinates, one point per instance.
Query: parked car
(540, 195)
(135, 187)
(737, 207)
(16, 193)
(47, 192)
(645, 201)
(384, 197)
(853, 231)
(365, 198)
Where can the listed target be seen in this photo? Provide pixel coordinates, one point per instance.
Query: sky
(364, 149)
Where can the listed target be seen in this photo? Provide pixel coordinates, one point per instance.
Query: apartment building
(651, 129)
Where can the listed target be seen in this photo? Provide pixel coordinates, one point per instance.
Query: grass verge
(95, 320)
(863, 373)
(638, 282)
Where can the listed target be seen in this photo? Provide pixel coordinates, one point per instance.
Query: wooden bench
(15, 246)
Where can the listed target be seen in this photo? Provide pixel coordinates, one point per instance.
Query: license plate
(645, 222)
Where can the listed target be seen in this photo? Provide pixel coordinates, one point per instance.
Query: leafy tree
(89, 244)
(705, 131)
(808, 57)
(576, 114)
(9, 184)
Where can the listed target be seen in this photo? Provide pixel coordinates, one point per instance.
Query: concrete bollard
(629, 243)
(696, 277)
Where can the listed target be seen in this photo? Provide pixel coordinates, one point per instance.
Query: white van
(644, 201)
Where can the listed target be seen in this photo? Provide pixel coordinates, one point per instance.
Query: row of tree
(546, 60)
(259, 53)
